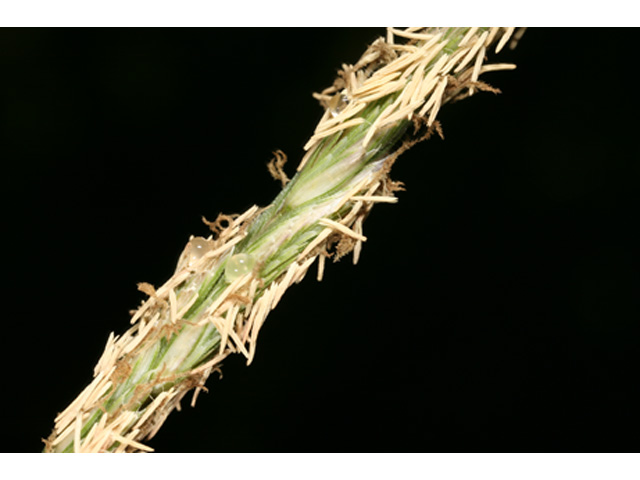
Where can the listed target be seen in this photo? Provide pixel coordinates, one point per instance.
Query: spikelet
(412, 73)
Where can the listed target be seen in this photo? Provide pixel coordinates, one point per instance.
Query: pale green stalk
(173, 353)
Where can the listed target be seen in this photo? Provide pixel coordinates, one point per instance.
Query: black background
(495, 307)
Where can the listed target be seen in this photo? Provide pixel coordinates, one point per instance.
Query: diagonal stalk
(224, 286)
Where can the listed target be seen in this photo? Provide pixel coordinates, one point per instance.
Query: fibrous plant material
(225, 285)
